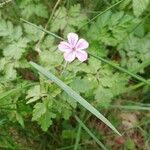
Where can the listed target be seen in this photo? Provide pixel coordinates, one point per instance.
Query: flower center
(73, 49)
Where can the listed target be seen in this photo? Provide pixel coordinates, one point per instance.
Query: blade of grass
(130, 107)
(90, 133)
(100, 14)
(2, 121)
(121, 69)
(138, 104)
(134, 87)
(74, 95)
(46, 26)
(18, 88)
(78, 138)
(42, 29)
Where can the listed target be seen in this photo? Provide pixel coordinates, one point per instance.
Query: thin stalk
(130, 107)
(78, 138)
(121, 69)
(100, 14)
(64, 68)
(90, 133)
(10, 92)
(46, 26)
(134, 87)
(42, 29)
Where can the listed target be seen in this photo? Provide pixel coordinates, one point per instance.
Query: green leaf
(92, 68)
(34, 94)
(3, 61)
(48, 43)
(81, 85)
(101, 13)
(111, 28)
(59, 21)
(69, 133)
(130, 144)
(20, 119)
(39, 110)
(67, 19)
(6, 28)
(136, 53)
(15, 49)
(64, 109)
(41, 10)
(74, 95)
(32, 33)
(10, 72)
(104, 19)
(33, 8)
(51, 58)
(103, 96)
(46, 120)
(139, 6)
(17, 33)
(28, 10)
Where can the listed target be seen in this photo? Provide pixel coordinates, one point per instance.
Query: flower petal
(82, 44)
(64, 47)
(81, 55)
(72, 39)
(69, 56)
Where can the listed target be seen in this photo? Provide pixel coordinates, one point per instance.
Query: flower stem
(64, 68)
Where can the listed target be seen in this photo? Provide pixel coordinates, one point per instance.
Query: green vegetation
(101, 103)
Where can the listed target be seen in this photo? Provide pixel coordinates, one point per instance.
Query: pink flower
(75, 47)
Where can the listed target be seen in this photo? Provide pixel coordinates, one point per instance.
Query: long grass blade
(100, 14)
(42, 29)
(78, 138)
(12, 91)
(121, 69)
(90, 133)
(131, 107)
(74, 95)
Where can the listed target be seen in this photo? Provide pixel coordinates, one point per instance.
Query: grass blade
(78, 138)
(42, 29)
(74, 95)
(18, 88)
(121, 69)
(131, 107)
(90, 133)
(100, 14)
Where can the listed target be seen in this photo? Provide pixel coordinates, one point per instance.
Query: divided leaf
(46, 120)
(139, 6)
(39, 110)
